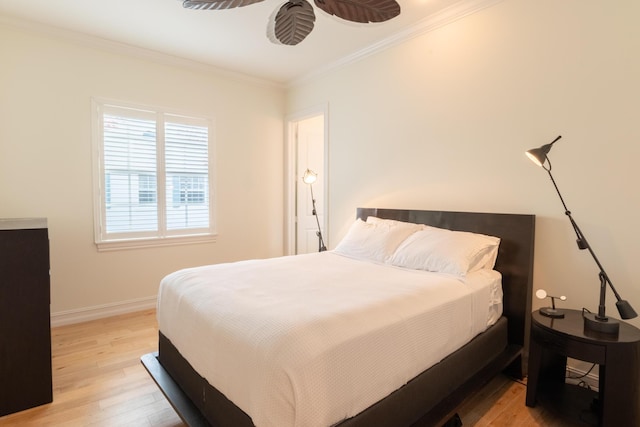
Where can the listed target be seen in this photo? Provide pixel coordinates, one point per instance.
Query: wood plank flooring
(98, 380)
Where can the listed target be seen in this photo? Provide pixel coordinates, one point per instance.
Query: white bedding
(310, 340)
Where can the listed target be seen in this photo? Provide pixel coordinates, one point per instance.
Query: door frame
(291, 180)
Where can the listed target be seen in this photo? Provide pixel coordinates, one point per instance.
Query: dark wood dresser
(25, 325)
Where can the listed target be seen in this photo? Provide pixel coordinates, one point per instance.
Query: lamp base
(552, 312)
(607, 326)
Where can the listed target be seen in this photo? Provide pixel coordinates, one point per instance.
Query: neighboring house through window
(152, 176)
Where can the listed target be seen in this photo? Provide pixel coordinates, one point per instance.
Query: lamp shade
(309, 176)
(539, 155)
(625, 309)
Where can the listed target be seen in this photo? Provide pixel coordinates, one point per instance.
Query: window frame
(164, 235)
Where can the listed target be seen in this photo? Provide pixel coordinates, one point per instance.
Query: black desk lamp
(310, 177)
(598, 323)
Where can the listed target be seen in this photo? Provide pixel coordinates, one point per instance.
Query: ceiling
(232, 39)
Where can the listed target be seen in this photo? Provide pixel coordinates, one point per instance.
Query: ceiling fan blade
(363, 11)
(294, 21)
(216, 4)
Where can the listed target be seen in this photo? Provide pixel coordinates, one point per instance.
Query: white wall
(442, 122)
(46, 84)
(439, 122)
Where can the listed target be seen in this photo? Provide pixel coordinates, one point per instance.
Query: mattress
(310, 340)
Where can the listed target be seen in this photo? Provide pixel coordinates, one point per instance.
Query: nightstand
(617, 402)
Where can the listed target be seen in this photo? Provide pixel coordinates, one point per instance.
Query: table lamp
(598, 323)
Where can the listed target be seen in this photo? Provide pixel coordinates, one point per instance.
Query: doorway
(307, 143)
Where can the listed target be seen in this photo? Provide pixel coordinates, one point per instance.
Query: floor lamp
(309, 178)
(599, 322)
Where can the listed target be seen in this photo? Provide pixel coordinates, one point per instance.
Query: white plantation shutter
(187, 175)
(152, 175)
(130, 168)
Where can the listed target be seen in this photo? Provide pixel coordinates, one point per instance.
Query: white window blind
(152, 174)
(186, 158)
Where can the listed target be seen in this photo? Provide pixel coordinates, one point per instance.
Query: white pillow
(374, 241)
(446, 251)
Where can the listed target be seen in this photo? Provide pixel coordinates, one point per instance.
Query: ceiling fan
(294, 20)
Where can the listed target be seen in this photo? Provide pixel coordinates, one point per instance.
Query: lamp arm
(582, 240)
(603, 274)
(321, 246)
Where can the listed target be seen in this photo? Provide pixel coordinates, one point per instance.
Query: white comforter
(310, 340)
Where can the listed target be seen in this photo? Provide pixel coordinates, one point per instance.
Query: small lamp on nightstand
(550, 311)
(598, 323)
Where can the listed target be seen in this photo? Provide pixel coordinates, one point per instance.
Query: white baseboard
(590, 379)
(79, 315)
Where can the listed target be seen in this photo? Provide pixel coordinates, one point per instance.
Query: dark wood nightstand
(617, 403)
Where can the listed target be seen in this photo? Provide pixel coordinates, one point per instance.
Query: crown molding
(446, 16)
(124, 49)
(432, 22)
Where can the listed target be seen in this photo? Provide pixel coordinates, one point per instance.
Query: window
(152, 176)
(188, 190)
(147, 189)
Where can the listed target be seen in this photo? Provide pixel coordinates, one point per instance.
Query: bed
(428, 396)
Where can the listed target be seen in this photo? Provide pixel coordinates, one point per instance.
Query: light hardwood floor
(98, 380)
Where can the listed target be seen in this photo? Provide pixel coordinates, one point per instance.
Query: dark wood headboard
(515, 254)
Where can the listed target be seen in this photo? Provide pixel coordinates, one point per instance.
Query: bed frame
(432, 397)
